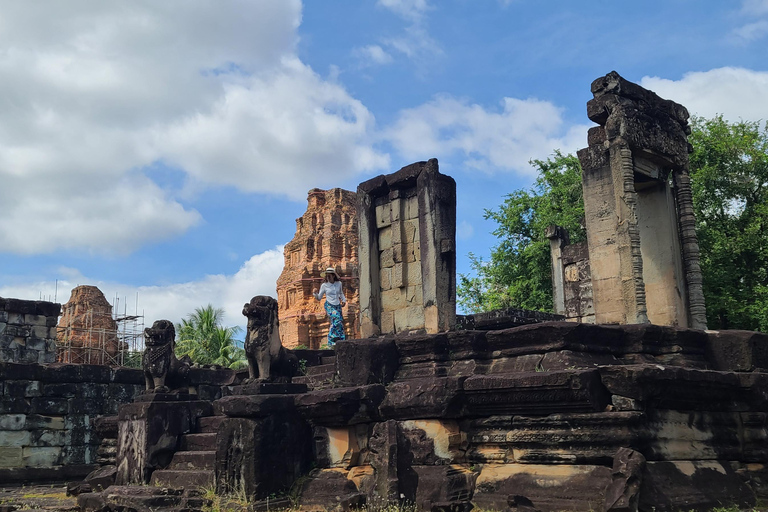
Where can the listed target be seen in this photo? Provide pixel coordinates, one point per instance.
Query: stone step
(198, 442)
(328, 360)
(193, 460)
(208, 424)
(186, 479)
(135, 497)
(322, 368)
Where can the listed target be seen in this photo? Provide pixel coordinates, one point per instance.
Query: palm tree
(201, 337)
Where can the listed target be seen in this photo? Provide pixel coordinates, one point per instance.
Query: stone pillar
(28, 331)
(558, 238)
(642, 245)
(407, 251)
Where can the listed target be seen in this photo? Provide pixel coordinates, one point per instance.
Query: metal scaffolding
(100, 335)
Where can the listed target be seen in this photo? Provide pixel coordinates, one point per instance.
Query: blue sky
(166, 149)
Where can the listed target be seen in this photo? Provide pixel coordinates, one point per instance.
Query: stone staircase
(193, 465)
(319, 376)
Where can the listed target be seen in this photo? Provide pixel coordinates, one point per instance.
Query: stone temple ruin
(636, 408)
(326, 236)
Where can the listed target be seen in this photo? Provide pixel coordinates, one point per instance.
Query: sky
(163, 150)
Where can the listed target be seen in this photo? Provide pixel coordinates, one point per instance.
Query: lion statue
(268, 360)
(159, 361)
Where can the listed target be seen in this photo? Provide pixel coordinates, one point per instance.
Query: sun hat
(329, 270)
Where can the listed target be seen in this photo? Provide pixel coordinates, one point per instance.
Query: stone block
(739, 351)
(387, 322)
(383, 216)
(367, 361)
(37, 421)
(394, 299)
(78, 454)
(693, 485)
(264, 456)
(49, 437)
(14, 438)
(544, 486)
(412, 208)
(424, 398)
(3, 316)
(3, 325)
(341, 406)
(36, 456)
(49, 406)
(536, 393)
(15, 318)
(23, 388)
(12, 421)
(409, 318)
(385, 278)
(46, 357)
(396, 206)
(414, 294)
(385, 238)
(11, 456)
(399, 279)
(12, 405)
(410, 232)
(341, 447)
(387, 258)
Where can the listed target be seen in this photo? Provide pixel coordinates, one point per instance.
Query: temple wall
(28, 331)
(47, 413)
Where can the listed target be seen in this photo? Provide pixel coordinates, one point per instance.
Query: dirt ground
(50, 498)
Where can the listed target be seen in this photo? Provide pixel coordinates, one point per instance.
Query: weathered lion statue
(268, 360)
(159, 361)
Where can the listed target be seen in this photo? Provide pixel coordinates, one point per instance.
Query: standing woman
(334, 300)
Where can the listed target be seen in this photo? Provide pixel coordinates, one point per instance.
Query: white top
(332, 292)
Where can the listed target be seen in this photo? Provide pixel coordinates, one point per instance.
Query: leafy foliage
(201, 337)
(729, 179)
(519, 273)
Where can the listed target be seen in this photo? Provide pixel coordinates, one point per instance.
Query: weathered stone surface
(268, 360)
(547, 487)
(341, 406)
(623, 493)
(326, 236)
(87, 332)
(255, 406)
(536, 393)
(368, 361)
(149, 433)
(331, 489)
(671, 387)
(643, 250)
(26, 335)
(692, 485)
(553, 439)
(407, 228)
(424, 398)
(263, 456)
(342, 447)
(738, 351)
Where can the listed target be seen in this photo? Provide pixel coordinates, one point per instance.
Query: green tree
(519, 272)
(201, 337)
(729, 180)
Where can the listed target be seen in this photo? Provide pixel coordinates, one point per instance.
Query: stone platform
(550, 416)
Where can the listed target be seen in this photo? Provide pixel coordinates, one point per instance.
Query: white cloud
(464, 230)
(411, 10)
(372, 54)
(257, 276)
(752, 31)
(93, 93)
(488, 140)
(755, 7)
(737, 93)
